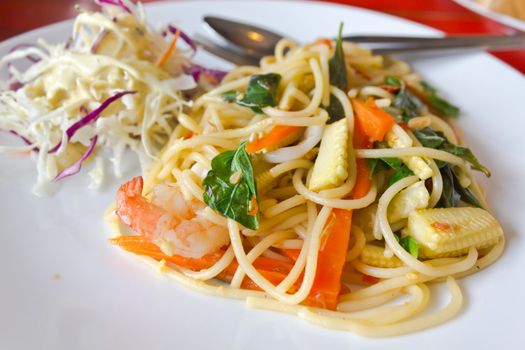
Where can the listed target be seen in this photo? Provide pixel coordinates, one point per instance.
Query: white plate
(105, 299)
(496, 16)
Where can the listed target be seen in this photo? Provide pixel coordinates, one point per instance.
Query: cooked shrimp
(170, 221)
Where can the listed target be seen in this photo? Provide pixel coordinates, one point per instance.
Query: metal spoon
(257, 42)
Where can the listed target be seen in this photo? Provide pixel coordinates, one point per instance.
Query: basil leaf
(230, 96)
(394, 81)
(337, 65)
(408, 103)
(466, 154)
(232, 200)
(335, 110)
(438, 103)
(466, 194)
(376, 165)
(453, 192)
(400, 169)
(429, 138)
(436, 139)
(449, 196)
(410, 245)
(399, 174)
(261, 92)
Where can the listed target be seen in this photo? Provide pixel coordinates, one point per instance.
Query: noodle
(301, 229)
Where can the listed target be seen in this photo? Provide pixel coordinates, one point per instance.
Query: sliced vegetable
(21, 137)
(331, 166)
(118, 3)
(410, 245)
(335, 110)
(409, 104)
(197, 70)
(273, 270)
(398, 138)
(332, 257)
(436, 139)
(21, 46)
(400, 169)
(141, 245)
(293, 254)
(452, 231)
(76, 166)
(406, 201)
(183, 36)
(229, 187)
(261, 92)
(90, 118)
(375, 256)
(337, 65)
(438, 103)
(453, 192)
(362, 182)
(373, 121)
(275, 135)
(169, 50)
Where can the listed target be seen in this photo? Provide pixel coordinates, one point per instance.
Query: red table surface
(19, 16)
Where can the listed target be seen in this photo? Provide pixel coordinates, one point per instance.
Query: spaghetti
(355, 194)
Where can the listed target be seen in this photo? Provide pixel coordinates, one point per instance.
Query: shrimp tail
(135, 211)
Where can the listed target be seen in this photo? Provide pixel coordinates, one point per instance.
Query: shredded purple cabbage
(90, 118)
(118, 3)
(21, 137)
(196, 70)
(184, 37)
(98, 41)
(26, 46)
(76, 166)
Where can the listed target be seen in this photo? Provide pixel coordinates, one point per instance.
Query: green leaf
(410, 245)
(404, 100)
(399, 174)
(453, 192)
(232, 200)
(230, 96)
(376, 165)
(400, 169)
(466, 154)
(436, 139)
(438, 103)
(449, 196)
(394, 81)
(261, 92)
(466, 195)
(409, 104)
(429, 138)
(338, 75)
(335, 110)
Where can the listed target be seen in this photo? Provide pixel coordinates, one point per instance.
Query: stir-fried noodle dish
(327, 182)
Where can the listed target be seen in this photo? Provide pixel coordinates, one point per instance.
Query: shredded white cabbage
(109, 52)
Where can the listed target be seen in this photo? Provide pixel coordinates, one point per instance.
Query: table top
(19, 16)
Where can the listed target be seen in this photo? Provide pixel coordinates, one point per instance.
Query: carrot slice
(373, 121)
(273, 270)
(277, 133)
(291, 253)
(363, 182)
(327, 282)
(170, 49)
(141, 245)
(332, 255)
(326, 42)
